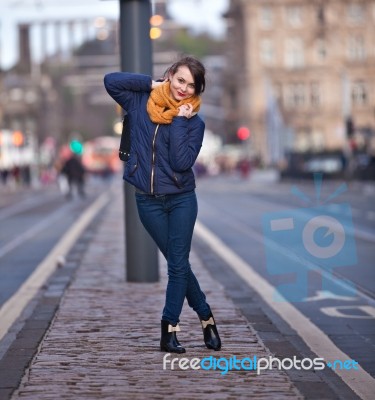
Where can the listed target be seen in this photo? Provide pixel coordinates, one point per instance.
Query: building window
(293, 16)
(359, 94)
(295, 95)
(278, 91)
(321, 50)
(288, 97)
(320, 15)
(267, 53)
(266, 17)
(233, 98)
(16, 94)
(356, 48)
(294, 53)
(317, 140)
(299, 94)
(302, 141)
(315, 95)
(355, 13)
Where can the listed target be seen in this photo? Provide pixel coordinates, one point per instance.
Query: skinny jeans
(170, 220)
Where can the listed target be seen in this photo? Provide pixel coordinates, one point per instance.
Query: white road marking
(360, 381)
(368, 312)
(326, 294)
(13, 308)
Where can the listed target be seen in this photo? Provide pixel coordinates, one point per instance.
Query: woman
(166, 137)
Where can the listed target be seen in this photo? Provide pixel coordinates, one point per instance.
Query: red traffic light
(243, 133)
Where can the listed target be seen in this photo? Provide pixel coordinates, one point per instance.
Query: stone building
(300, 73)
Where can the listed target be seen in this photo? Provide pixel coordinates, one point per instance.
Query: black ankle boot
(210, 333)
(169, 341)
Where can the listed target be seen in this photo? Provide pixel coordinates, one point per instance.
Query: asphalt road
(32, 221)
(282, 231)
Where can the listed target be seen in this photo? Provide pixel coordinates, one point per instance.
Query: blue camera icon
(297, 241)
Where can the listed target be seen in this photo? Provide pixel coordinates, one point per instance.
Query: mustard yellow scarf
(162, 108)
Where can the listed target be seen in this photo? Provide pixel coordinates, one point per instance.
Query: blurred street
(233, 209)
(32, 222)
(101, 318)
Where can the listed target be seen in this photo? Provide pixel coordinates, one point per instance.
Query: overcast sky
(200, 15)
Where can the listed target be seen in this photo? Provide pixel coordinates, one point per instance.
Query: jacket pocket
(177, 180)
(131, 165)
(180, 179)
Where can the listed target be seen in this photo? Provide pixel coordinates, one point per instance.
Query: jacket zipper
(153, 159)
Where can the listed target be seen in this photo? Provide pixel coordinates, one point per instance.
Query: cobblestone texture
(103, 342)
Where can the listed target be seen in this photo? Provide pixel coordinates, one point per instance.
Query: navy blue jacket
(161, 156)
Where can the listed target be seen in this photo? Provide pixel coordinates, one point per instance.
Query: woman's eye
(190, 85)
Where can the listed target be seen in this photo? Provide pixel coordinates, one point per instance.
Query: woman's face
(182, 84)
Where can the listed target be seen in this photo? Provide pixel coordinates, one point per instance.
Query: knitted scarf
(161, 107)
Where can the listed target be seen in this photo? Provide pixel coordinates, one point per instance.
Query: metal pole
(141, 253)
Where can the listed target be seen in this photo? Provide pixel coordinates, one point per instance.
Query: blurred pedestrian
(4, 174)
(167, 136)
(244, 166)
(75, 173)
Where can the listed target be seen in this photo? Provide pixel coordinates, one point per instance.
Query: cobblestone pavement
(104, 340)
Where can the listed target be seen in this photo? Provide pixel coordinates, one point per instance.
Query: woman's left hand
(155, 84)
(185, 110)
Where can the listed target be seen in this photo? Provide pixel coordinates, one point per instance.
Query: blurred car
(303, 165)
(326, 165)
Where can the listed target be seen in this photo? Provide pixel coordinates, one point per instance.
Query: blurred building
(59, 95)
(301, 74)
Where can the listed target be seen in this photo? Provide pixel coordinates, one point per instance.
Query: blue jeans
(170, 219)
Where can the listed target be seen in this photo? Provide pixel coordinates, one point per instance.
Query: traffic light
(76, 146)
(243, 133)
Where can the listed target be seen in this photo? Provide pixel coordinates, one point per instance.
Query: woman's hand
(185, 110)
(155, 84)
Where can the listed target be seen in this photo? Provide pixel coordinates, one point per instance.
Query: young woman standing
(166, 137)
